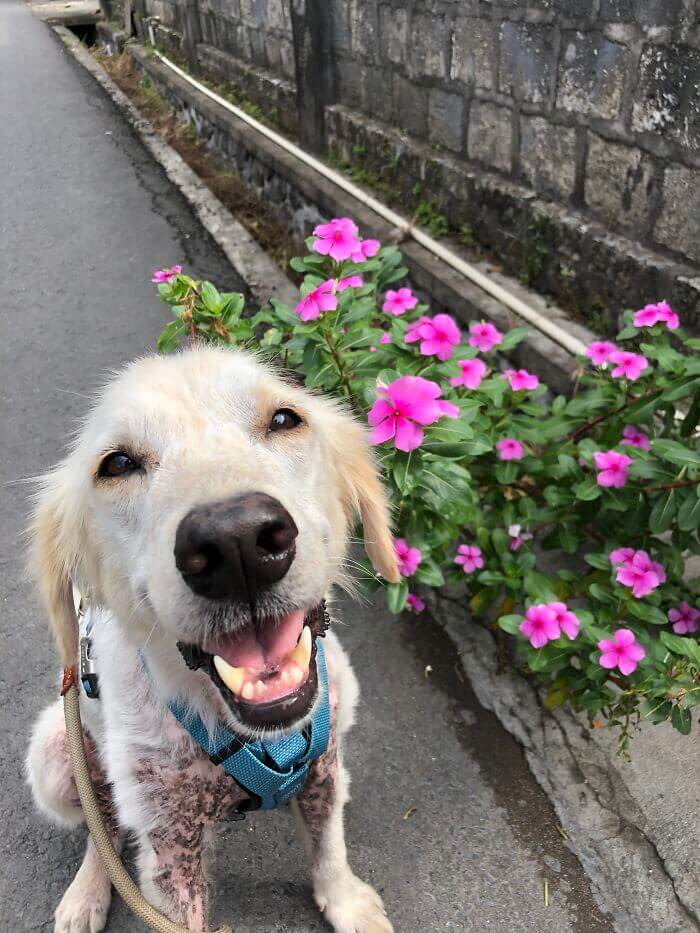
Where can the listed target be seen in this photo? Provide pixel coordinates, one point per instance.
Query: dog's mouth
(266, 673)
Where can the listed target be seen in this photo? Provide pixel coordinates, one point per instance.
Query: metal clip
(88, 672)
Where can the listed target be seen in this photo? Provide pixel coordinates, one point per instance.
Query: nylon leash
(122, 881)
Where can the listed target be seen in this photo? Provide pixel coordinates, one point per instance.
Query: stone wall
(589, 105)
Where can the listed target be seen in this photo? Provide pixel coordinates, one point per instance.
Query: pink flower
(599, 351)
(166, 275)
(484, 336)
(473, 371)
(367, 249)
(510, 449)
(399, 302)
(415, 602)
(685, 619)
(640, 573)
(385, 338)
(521, 379)
(519, 537)
(612, 468)
(623, 555)
(566, 620)
(622, 651)
(350, 281)
(408, 557)
(635, 437)
(337, 239)
(316, 302)
(408, 402)
(540, 625)
(438, 336)
(653, 314)
(629, 365)
(469, 557)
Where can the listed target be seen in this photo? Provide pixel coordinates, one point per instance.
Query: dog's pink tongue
(262, 649)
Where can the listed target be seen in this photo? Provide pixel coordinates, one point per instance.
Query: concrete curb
(636, 842)
(264, 277)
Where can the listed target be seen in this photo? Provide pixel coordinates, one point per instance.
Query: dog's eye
(117, 464)
(284, 419)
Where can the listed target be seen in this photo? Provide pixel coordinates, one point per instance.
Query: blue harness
(273, 771)
(270, 771)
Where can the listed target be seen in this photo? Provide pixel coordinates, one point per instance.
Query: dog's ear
(362, 492)
(54, 554)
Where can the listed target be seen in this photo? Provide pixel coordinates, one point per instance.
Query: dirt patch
(256, 215)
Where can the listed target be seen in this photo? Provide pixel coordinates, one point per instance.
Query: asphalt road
(84, 216)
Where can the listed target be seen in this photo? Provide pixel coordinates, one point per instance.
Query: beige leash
(119, 876)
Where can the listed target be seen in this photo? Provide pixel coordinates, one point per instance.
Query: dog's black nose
(233, 548)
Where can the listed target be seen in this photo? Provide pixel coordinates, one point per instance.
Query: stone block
(473, 51)
(446, 119)
(393, 32)
(548, 156)
(278, 16)
(410, 106)
(617, 11)
(658, 12)
(591, 74)
(619, 184)
(490, 136)
(363, 30)
(667, 99)
(254, 12)
(678, 226)
(340, 25)
(527, 61)
(349, 83)
(376, 94)
(287, 63)
(429, 40)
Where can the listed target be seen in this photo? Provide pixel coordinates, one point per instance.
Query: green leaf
(284, 313)
(512, 338)
(587, 490)
(599, 561)
(506, 473)
(211, 298)
(170, 336)
(676, 453)
(689, 511)
(685, 647)
(663, 513)
(396, 594)
(510, 623)
(654, 709)
(601, 594)
(429, 573)
(681, 719)
(645, 612)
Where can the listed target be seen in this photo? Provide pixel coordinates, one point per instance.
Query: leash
(123, 883)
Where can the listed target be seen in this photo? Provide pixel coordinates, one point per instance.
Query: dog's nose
(233, 548)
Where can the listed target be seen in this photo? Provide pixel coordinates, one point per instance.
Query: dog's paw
(351, 906)
(83, 909)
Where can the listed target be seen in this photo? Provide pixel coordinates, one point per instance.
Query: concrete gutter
(633, 826)
(264, 277)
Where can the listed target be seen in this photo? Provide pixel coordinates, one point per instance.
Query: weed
(466, 235)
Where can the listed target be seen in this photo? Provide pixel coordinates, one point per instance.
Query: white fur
(198, 423)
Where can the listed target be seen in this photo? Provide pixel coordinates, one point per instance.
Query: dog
(206, 503)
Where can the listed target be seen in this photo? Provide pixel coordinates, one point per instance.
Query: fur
(197, 423)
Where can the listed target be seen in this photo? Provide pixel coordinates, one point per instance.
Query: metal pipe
(572, 344)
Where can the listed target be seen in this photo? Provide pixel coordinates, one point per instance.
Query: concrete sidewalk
(86, 214)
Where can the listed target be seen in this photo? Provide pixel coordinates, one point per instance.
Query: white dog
(203, 511)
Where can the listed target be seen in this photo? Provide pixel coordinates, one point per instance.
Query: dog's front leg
(171, 874)
(349, 905)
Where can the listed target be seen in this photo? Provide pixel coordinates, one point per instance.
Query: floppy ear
(53, 557)
(363, 493)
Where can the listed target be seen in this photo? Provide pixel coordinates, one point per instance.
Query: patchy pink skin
(186, 795)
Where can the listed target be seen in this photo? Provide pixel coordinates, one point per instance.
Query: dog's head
(210, 498)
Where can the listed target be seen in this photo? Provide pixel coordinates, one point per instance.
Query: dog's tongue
(261, 649)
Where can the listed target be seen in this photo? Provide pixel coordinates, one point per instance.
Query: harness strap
(272, 771)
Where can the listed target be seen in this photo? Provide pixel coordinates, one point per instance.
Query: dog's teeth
(297, 674)
(248, 691)
(232, 676)
(259, 688)
(302, 653)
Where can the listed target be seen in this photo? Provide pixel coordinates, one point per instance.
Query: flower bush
(569, 520)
